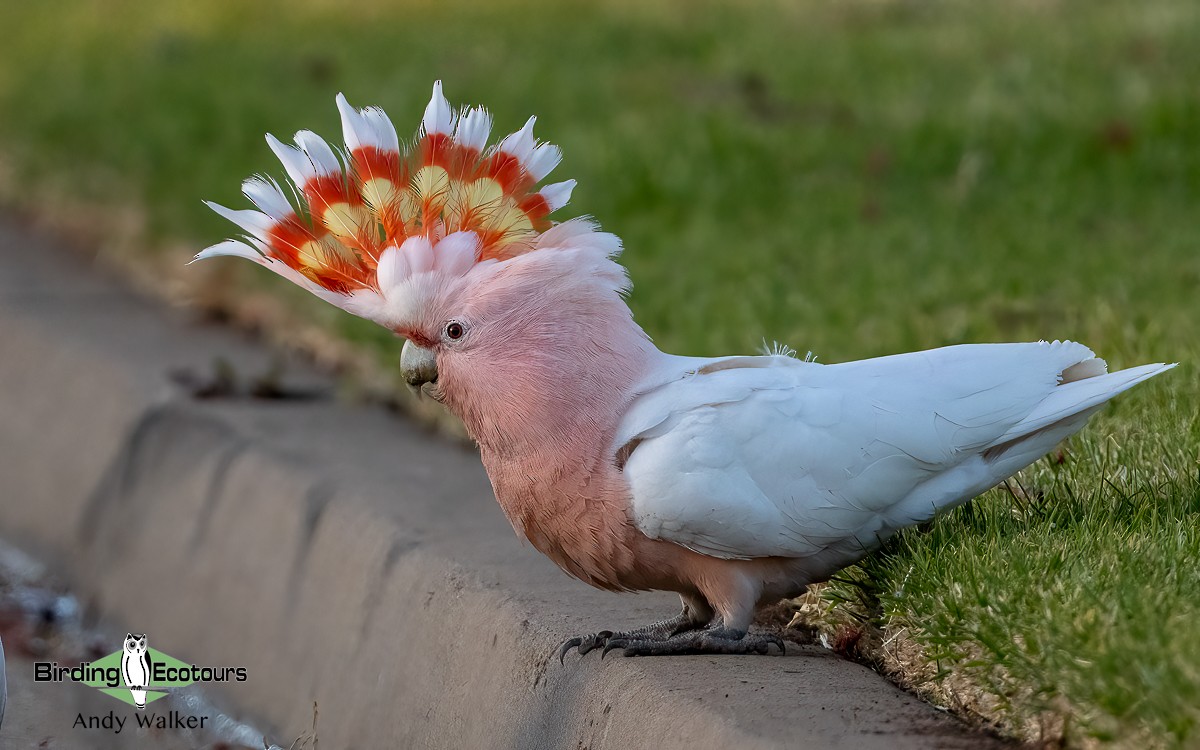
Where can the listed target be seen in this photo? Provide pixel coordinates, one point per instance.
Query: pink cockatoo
(732, 481)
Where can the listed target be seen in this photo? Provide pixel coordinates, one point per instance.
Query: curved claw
(595, 641)
(566, 646)
(612, 645)
(584, 644)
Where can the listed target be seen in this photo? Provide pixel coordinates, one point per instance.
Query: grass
(854, 178)
(1072, 596)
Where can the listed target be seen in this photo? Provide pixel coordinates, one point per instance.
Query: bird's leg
(695, 615)
(726, 634)
(715, 639)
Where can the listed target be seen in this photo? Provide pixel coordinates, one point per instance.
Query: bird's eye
(454, 331)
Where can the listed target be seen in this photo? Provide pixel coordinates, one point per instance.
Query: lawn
(854, 179)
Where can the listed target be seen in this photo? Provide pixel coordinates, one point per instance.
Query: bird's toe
(583, 643)
(594, 641)
(709, 641)
(566, 646)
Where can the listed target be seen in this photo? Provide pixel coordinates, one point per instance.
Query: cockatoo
(732, 481)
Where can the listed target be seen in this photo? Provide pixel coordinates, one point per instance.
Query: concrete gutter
(346, 556)
(3, 685)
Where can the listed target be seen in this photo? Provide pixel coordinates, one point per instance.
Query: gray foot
(659, 631)
(707, 641)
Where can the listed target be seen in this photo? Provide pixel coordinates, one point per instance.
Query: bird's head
(529, 332)
(448, 244)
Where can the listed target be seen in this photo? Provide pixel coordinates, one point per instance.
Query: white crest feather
(323, 160)
(231, 248)
(254, 222)
(439, 117)
(543, 160)
(520, 144)
(393, 268)
(267, 195)
(473, 129)
(419, 252)
(299, 169)
(366, 127)
(456, 253)
(558, 194)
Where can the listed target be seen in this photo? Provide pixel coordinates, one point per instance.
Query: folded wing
(771, 456)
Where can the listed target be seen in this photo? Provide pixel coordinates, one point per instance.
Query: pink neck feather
(556, 363)
(542, 393)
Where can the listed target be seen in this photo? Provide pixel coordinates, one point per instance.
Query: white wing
(769, 456)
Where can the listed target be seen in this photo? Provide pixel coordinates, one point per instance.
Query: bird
(732, 481)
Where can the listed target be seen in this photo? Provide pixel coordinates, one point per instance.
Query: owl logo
(135, 667)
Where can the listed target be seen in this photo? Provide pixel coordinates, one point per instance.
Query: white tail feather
(1075, 396)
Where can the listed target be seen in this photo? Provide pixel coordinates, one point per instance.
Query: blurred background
(853, 179)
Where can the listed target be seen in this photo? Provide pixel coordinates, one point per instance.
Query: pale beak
(418, 365)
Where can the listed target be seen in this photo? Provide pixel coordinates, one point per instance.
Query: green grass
(1077, 596)
(853, 178)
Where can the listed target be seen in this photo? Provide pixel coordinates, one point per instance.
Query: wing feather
(771, 456)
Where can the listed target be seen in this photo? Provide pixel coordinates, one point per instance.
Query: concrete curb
(348, 557)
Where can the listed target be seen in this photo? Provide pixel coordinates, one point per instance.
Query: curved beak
(418, 365)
